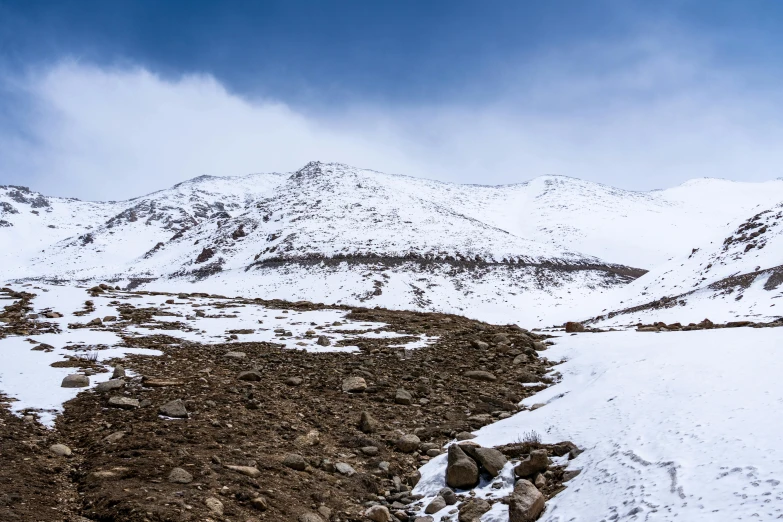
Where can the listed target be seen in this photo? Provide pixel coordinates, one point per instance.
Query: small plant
(531, 437)
(90, 357)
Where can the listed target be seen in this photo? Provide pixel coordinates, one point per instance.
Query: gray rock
(61, 450)
(323, 341)
(461, 471)
(370, 450)
(294, 461)
(119, 373)
(526, 502)
(465, 435)
(75, 380)
(248, 471)
(114, 437)
(378, 514)
(472, 510)
(480, 375)
(180, 476)
(481, 345)
(540, 481)
(491, 460)
(109, 318)
(235, 355)
(408, 443)
(125, 403)
(570, 473)
(259, 503)
(175, 409)
(112, 384)
(435, 505)
(293, 381)
(433, 452)
(423, 519)
(214, 505)
(309, 516)
(367, 424)
(250, 375)
(520, 359)
(448, 495)
(354, 384)
(536, 462)
(345, 469)
(404, 397)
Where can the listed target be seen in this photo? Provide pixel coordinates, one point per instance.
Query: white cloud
(649, 118)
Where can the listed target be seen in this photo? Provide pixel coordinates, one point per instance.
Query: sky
(111, 100)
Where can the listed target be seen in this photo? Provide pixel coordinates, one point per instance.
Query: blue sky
(114, 99)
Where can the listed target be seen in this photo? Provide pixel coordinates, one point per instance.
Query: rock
(175, 409)
(370, 451)
(75, 380)
(214, 505)
(472, 510)
(294, 461)
(259, 503)
(118, 373)
(313, 438)
(114, 437)
(309, 516)
(345, 469)
(378, 514)
(61, 450)
(435, 505)
(481, 345)
(434, 452)
(95, 322)
(293, 381)
(480, 375)
(572, 327)
(424, 519)
(465, 435)
(536, 462)
(540, 481)
(180, 476)
(125, 403)
(448, 495)
(325, 512)
(109, 318)
(235, 355)
(491, 460)
(354, 385)
(112, 384)
(521, 359)
(404, 397)
(408, 443)
(526, 377)
(248, 471)
(250, 375)
(526, 502)
(570, 473)
(323, 341)
(367, 424)
(461, 471)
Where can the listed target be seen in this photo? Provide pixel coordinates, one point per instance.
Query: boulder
(367, 424)
(404, 397)
(378, 514)
(572, 327)
(536, 462)
(354, 384)
(345, 469)
(214, 505)
(435, 505)
(250, 375)
(461, 471)
(61, 450)
(323, 341)
(480, 375)
(526, 502)
(75, 380)
(472, 510)
(294, 461)
(125, 403)
(180, 476)
(175, 409)
(112, 384)
(408, 443)
(448, 495)
(491, 460)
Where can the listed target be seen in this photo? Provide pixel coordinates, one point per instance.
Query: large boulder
(536, 462)
(526, 502)
(491, 460)
(461, 471)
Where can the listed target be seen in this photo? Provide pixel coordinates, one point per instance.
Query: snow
(675, 426)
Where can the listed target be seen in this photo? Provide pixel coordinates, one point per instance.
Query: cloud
(644, 116)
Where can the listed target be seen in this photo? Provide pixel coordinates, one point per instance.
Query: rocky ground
(252, 431)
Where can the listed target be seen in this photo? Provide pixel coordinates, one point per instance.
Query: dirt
(233, 422)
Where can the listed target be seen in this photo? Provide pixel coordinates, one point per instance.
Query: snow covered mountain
(547, 250)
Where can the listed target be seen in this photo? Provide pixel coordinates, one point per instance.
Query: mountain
(547, 250)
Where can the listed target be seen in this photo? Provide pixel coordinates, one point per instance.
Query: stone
(175, 409)
(61, 450)
(309, 516)
(570, 473)
(491, 460)
(408, 443)
(259, 503)
(248, 471)
(345, 469)
(378, 514)
(112, 384)
(125, 403)
(323, 341)
(294, 381)
(461, 471)
(404, 397)
(294, 461)
(423, 519)
(354, 384)
(520, 359)
(481, 345)
(370, 451)
(235, 355)
(572, 327)
(75, 380)
(536, 462)
(109, 318)
(95, 322)
(114, 437)
(472, 510)
(214, 505)
(448, 495)
(480, 375)
(540, 481)
(325, 512)
(526, 502)
(434, 452)
(465, 435)
(180, 476)
(367, 424)
(435, 505)
(250, 375)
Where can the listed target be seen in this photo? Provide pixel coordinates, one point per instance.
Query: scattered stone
(112, 384)
(119, 373)
(214, 505)
(235, 355)
(526, 503)
(367, 424)
(294, 461)
(491, 460)
(480, 375)
(472, 510)
(536, 462)
(75, 380)
(572, 327)
(114, 437)
(250, 375)
(125, 403)
(180, 476)
(354, 385)
(570, 473)
(259, 503)
(109, 318)
(370, 450)
(424, 519)
(95, 322)
(434, 452)
(435, 505)
(465, 435)
(294, 381)
(378, 514)
(248, 471)
(309, 516)
(345, 469)
(61, 450)
(481, 345)
(323, 341)
(404, 397)
(461, 471)
(448, 495)
(175, 409)
(408, 443)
